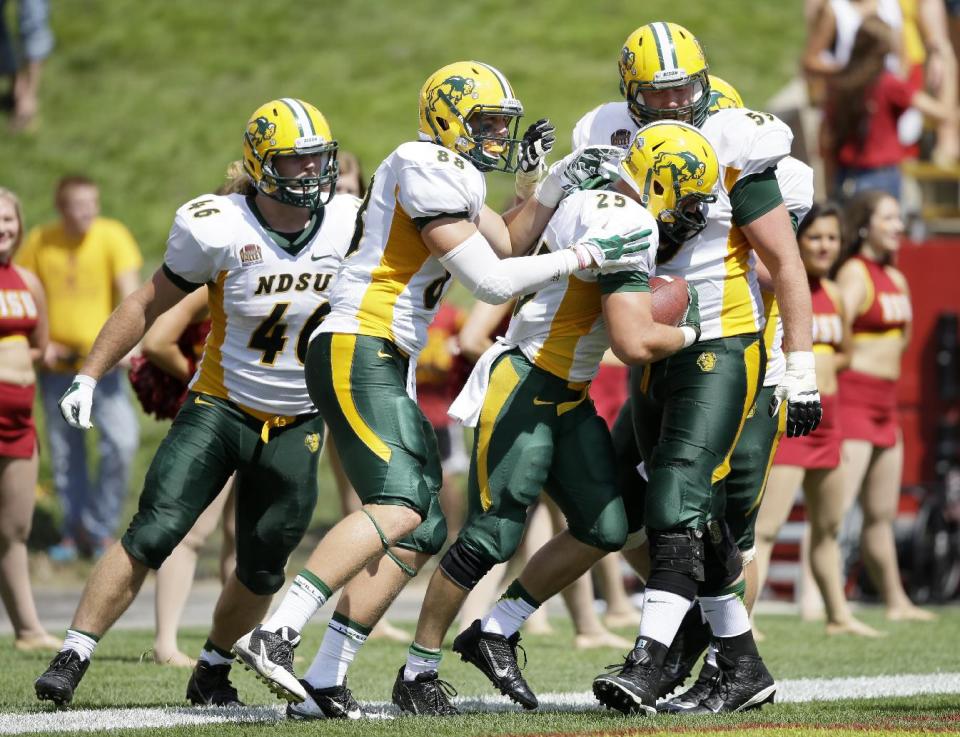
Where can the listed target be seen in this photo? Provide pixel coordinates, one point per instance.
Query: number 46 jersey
(266, 295)
(390, 285)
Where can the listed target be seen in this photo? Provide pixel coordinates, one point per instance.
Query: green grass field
(793, 650)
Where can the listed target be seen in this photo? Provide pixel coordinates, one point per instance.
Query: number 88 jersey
(266, 295)
(390, 285)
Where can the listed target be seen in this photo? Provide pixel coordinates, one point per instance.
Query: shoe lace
(629, 660)
(515, 646)
(65, 659)
(440, 692)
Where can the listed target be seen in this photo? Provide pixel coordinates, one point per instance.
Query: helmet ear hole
(658, 188)
(444, 125)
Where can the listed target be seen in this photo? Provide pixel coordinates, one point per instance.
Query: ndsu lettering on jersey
(280, 283)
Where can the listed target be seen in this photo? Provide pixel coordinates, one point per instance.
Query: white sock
(663, 611)
(80, 642)
(211, 654)
(711, 657)
(726, 615)
(420, 660)
(341, 643)
(305, 596)
(510, 612)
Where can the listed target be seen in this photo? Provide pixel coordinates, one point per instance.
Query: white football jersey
(719, 261)
(796, 185)
(390, 285)
(560, 328)
(264, 301)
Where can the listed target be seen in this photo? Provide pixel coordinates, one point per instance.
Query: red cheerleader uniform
(18, 319)
(868, 405)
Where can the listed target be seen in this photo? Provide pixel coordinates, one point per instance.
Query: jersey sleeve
(345, 208)
(197, 245)
(748, 142)
(796, 187)
(607, 215)
(429, 190)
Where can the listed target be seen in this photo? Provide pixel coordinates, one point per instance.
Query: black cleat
(209, 685)
(425, 696)
(336, 702)
(61, 677)
(633, 689)
(270, 656)
(691, 698)
(692, 639)
(496, 657)
(741, 685)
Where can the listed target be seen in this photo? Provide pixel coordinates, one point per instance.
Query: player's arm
(40, 335)
(160, 341)
(634, 337)
(466, 254)
(477, 331)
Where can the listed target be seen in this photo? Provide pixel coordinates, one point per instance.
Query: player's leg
(190, 467)
(511, 456)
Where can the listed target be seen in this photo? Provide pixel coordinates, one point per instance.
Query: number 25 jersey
(266, 296)
(390, 285)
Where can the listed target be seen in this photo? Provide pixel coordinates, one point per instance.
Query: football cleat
(336, 702)
(741, 685)
(496, 657)
(209, 685)
(692, 639)
(632, 689)
(691, 698)
(270, 656)
(427, 695)
(61, 677)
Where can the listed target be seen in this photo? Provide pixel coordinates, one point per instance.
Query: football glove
(585, 168)
(690, 322)
(537, 142)
(798, 388)
(595, 252)
(77, 402)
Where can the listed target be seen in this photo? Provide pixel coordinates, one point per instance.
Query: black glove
(536, 144)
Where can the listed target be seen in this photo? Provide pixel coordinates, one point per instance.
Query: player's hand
(798, 388)
(599, 251)
(77, 402)
(585, 168)
(537, 142)
(691, 318)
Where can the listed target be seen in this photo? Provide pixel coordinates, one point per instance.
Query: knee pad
(464, 567)
(680, 551)
(261, 583)
(150, 542)
(723, 564)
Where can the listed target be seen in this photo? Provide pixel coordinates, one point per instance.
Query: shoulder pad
(217, 226)
(608, 124)
(747, 140)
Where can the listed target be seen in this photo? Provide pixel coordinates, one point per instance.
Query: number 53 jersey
(266, 295)
(390, 285)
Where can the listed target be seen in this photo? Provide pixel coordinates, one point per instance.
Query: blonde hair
(238, 181)
(7, 194)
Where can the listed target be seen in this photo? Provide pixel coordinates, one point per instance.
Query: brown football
(669, 299)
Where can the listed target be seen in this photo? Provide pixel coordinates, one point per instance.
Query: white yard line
(797, 690)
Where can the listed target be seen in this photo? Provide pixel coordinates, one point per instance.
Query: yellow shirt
(78, 276)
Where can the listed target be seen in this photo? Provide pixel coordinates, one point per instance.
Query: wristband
(689, 336)
(526, 182)
(549, 192)
(801, 361)
(84, 380)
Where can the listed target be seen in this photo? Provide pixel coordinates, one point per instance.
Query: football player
(688, 420)
(537, 428)
(423, 221)
(268, 257)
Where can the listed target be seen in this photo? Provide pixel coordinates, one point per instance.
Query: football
(669, 299)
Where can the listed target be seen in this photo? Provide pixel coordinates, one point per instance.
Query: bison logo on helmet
(261, 130)
(627, 61)
(453, 90)
(686, 167)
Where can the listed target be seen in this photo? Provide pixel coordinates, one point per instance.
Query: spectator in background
(813, 462)
(87, 264)
(23, 335)
(351, 180)
(864, 103)
(876, 309)
(36, 43)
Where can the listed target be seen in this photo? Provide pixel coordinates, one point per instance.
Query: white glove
(582, 169)
(77, 402)
(798, 388)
